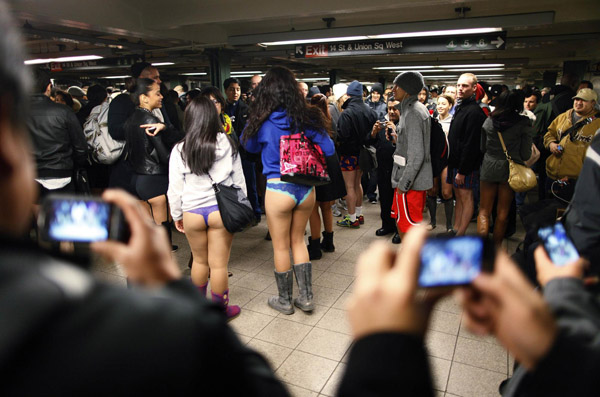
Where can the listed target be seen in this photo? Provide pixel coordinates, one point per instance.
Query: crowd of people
(66, 333)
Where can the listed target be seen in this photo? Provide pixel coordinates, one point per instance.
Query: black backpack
(438, 148)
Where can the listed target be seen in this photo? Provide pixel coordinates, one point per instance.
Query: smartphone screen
(451, 261)
(558, 245)
(77, 219)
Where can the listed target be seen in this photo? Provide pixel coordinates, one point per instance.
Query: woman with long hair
(444, 104)
(206, 154)
(280, 109)
(325, 196)
(147, 154)
(517, 133)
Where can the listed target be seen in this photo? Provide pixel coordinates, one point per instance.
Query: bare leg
(351, 189)
(219, 248)
(159, 208)
(196, 234)
(465, 198)
(505, 197)
(279, 208)
(486, 203)
(327, 216)
(315, 222)
(359, 189)
(300, 216)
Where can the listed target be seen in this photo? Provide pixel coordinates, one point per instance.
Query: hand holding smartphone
(80, 219)
(454, 261)
(557, 244)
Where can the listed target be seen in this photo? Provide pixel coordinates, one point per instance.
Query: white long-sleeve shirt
(188, 191)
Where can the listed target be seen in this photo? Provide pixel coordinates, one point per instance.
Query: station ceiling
(539, 35)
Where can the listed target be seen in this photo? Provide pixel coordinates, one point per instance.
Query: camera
(455, 261)
(80, 219)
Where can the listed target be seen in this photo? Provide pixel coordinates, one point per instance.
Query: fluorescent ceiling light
(243, 75)
(115, 77)
(479, 65)
(314, 79)
(456, 70)
(309, 41)
(404, 67)
(163, 63)
(435, 33)
(194, 74)
(63, 59)
(247, 72)
(441, 76)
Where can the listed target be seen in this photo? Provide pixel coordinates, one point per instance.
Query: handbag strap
(214, 184)
(504, 146)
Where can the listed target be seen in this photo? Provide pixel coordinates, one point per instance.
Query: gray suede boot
(304, 301)
(283, 302)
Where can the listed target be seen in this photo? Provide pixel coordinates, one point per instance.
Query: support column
(550, 79)
(333, 77)
(578, 68)
(220, 66)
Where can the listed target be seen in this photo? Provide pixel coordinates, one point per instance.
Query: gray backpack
(104, 149)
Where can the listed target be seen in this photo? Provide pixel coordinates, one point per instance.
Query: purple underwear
(205, 212)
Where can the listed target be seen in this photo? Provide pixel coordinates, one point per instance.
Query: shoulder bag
(520, 177)
(302, 161)
(234, 207)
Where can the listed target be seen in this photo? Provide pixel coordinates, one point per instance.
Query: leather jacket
(148, 155)
(58, 141)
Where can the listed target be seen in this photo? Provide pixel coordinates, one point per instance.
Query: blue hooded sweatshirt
(267, 141)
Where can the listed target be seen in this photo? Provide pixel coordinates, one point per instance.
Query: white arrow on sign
(498, 42)
(299, 50)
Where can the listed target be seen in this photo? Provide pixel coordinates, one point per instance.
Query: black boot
(327, 244)
(314, 249)
(283, 302)
(304, 301)
(432, 207)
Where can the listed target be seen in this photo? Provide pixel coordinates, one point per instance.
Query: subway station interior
(201, 43)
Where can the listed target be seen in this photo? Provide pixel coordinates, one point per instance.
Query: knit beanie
(355, 89)
(377, 87)
(339, 90)
(411, 82)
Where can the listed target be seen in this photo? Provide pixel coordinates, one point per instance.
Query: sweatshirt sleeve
(415, 154)
(175, 191)
(323, 140)
(251, 145)
(238, 173)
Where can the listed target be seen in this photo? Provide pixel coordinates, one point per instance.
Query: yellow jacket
(569, 163)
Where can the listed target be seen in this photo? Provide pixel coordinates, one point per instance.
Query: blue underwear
(205, 212)
(298, 193)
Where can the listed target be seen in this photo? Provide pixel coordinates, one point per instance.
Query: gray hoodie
(414, 131)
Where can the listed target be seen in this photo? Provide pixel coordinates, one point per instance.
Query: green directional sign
(477, 42)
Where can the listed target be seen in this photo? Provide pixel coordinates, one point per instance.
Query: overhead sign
(105, 63)
(481, 42)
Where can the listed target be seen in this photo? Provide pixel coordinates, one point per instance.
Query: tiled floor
(309, 351)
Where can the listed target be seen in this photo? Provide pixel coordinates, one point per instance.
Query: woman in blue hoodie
(280, 109)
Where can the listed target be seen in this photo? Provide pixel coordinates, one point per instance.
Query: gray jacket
(414, 132)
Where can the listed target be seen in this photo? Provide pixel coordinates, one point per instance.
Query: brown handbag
(520, 177)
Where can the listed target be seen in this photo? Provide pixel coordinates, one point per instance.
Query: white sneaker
(335, 211)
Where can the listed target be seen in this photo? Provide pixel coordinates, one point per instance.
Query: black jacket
(464, 137)
(118, 112)
(147, 154)
(58, 141)
(354, 126)
(239, 116)
(66, 334)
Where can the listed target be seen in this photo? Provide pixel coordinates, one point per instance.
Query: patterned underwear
(205, 212)
(298, 193)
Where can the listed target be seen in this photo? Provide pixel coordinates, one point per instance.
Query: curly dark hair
(279, 89)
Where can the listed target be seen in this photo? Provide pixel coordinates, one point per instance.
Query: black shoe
(174, 248)
(268, 236)
(383, 232)
(396, 239)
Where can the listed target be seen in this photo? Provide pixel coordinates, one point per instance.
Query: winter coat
(464, 137)
(354, 126)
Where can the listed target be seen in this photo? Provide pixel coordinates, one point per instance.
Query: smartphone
(80, 219)
(454, 261)
(151, 129)
(558, 245)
